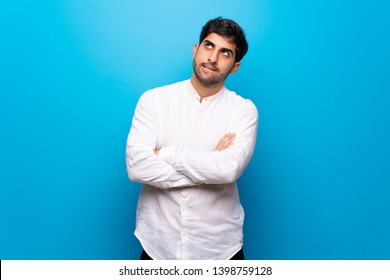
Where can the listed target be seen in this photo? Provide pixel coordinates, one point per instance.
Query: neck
(202, 90)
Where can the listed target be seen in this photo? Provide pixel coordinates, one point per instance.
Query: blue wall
(318, 186)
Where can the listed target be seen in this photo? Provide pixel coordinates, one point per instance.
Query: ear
(194, 50)
(235, 67)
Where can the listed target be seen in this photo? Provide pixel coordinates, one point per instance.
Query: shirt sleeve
(219, 167)
(142, 164)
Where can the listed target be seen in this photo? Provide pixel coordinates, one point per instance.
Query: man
(188, 144)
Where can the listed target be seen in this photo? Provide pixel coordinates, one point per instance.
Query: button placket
(184, 193)
(183, 218)
(195, 126)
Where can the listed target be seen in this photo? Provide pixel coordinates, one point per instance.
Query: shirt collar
(194, 94)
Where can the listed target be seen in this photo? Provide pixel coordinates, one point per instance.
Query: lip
(209, 67)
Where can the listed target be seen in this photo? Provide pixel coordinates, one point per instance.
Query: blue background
(72, 72)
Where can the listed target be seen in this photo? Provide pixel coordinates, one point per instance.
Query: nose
(213, 58)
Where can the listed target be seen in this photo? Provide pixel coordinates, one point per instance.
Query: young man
(188, 144)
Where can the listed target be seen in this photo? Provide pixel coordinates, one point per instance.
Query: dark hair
(229, 29)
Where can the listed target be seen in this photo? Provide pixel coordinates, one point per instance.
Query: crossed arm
(161, 174)
(225, 142)
(171, 167)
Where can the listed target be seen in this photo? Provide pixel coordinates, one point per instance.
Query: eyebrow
(223, 49)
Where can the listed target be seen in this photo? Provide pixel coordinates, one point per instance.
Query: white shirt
(189, 206)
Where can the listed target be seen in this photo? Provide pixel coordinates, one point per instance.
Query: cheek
(198, 55)
(229, 67)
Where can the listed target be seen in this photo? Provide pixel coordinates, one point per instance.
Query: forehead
(220, 41)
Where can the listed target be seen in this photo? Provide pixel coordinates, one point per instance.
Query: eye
(226, 53)
(208, 45)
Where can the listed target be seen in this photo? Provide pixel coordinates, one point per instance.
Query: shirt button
(184, 193)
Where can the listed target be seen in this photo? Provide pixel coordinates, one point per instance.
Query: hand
(225, 142)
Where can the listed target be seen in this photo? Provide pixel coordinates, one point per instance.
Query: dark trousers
(238, 256)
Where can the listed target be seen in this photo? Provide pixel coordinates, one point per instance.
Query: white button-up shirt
(189, 206)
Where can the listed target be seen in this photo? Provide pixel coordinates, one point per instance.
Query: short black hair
(229, 29)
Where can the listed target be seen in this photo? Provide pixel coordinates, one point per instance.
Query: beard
(211, 79)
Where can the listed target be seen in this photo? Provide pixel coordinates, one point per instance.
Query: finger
(222, 142)
(226, 141)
